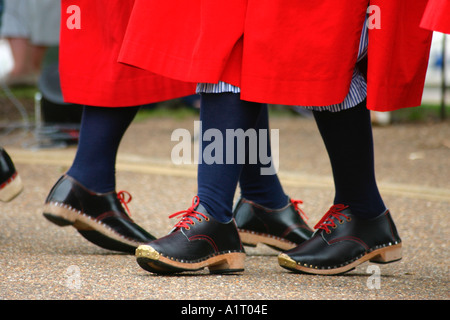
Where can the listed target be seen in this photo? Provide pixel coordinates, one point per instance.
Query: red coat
(437, 16)
(91, 36)
(283, 51)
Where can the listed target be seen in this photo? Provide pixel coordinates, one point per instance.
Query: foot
(281, 229)
(100, 218)
(343, 241)
(10, 182)
(196, 242)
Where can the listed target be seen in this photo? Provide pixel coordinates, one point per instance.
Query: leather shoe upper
(198, 236)
(342, 237)
(286, 223)
(106, 208)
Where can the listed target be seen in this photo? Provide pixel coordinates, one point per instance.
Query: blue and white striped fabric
(219, 87)
(357, 92)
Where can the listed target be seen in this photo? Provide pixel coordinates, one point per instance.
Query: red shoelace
(124, 198)
(296, 204)
(186, 218)
(328, 219)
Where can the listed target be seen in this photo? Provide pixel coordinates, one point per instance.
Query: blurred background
(31, 103)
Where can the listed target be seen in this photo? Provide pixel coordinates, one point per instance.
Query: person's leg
(263, 189)
(206, 235)
(17, 30)
(264, 213)
(37, 57)
(217, 182)
(348, 139)
(358, 227)
(85, 196)
(20, 50)
(101, 132)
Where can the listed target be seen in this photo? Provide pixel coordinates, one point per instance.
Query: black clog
(343, 241)
(100, 218)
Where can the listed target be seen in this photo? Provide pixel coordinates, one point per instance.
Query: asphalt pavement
(40, 261)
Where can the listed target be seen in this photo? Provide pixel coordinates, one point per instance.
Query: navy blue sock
(101, 131)
(263, 189)
(349, 142)
(217, 181)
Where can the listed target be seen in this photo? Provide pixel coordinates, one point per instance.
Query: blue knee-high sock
(263, 189)
(217, 175)
(101, 131)
(348, 139)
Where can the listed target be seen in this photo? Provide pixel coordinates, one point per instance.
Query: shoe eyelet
(200, 220)
(334, 226)
(349, 219)
(206, 219)
(328, 231)
(341, 221)
(188, 228)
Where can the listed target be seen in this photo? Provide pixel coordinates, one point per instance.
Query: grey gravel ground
(40, 261)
